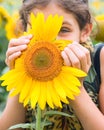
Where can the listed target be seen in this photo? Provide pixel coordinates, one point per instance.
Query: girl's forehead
(53, 10)
(50, 9)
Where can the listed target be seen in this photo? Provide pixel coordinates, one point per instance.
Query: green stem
(38, 118)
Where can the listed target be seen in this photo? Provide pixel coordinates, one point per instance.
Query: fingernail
(18, 53)
(75, 42)
(24, 46)
(30, 35)
(26, 40)
(62, 53)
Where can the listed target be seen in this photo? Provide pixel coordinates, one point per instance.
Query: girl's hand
(15, 47)
(77, 56)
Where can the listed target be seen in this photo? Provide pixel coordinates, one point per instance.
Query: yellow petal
(11, 77)
(52, 27)
(7, 75)
(45, 30)
(54, 95)
(35, 94)
(7, 82)
(42, 98)
(70, 89)
(18, 86)
(12, 82)
(49, 98)
(10, 86)
(74, 71)
(72, 79)
(61, 44)
(25, 89)
(58, 87)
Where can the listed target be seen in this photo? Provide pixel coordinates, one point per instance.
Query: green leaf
(58, 113)
(46, 124)
(23, 125)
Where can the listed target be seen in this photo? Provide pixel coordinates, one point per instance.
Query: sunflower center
(43, 61)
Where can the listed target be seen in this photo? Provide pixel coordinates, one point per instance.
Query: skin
(14, 113)
(74, 55)
(101, 93)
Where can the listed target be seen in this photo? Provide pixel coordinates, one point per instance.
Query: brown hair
(79, 8)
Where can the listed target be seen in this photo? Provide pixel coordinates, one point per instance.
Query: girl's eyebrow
(68, 23)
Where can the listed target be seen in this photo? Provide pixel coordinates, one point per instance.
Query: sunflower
(100, 17)
(40, 75)
(96, 5)
(100, 24)
(4, 16)
(14, 26)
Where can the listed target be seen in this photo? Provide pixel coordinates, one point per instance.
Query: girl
(77, 26)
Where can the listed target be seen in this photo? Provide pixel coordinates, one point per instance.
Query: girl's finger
(74, 60)
(15, 49)
(86, 51)
(82, 55)
(17, 42)
(66, 59)
(11, 59)
(26, 37)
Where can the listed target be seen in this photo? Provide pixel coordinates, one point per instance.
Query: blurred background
(8, 16)
(9, 29)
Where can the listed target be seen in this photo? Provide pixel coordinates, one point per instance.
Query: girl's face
(70, 29)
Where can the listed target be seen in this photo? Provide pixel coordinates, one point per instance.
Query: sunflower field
(7, 10)
(8, 23)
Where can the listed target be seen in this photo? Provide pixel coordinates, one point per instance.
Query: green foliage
(44, 122)
(30, 126)
(11, 5)
(3, 97)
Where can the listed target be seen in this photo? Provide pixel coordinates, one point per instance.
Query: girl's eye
(64, 30)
